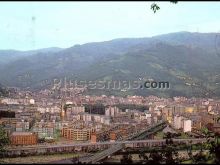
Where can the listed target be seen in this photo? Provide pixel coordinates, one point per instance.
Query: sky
(35, 25)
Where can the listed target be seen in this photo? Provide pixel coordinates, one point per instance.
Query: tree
(4, 140)
(144, 158)
(170, 150)
(212, 146)
(155, 7)
(126, 159)
(155, 158)
(208, 135)
(168, 155)
(215, 149)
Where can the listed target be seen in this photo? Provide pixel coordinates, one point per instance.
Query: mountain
(3, 91)
(188, 61)
(7, 56)
(199, 40)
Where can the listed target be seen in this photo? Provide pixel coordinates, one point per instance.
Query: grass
(191, 162)
(39, 158)
(184, 135)
(187, 162)
(159, 135)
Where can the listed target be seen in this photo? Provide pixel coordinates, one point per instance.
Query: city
(110, 82)
(58, 121)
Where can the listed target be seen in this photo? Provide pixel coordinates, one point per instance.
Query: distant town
(64, 120)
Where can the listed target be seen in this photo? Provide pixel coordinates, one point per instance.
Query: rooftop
(22, 133)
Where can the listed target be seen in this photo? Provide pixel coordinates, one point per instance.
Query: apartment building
(77, 134)
(44, 129)
(22, 126)
(187, 125)
(23, 138)
(180, 122)
(112, 111)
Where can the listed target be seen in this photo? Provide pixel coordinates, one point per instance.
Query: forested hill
(189, 61)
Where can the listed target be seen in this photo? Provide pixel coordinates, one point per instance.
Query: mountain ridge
(180, 58)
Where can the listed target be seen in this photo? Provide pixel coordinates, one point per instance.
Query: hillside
(3, 91)
(7, 56)
(189, 61)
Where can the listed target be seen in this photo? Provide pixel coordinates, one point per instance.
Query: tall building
(112, 111)
(178, 122)
(187, 125)
(63, 112)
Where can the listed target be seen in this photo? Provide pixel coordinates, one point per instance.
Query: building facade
(23, 138)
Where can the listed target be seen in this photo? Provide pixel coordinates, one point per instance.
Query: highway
(102, 155)
(148, 130)
(106, 143)
(115, 147)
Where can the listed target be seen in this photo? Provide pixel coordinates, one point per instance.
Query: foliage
(4, 140)
(57, 134)
(212, 146)
(126, 159)
(169, 152)
(215, 149)
(175, 2)
(155, 7)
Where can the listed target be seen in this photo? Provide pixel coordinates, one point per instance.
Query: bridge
(113, 149)
(149, 131)
(102, 155)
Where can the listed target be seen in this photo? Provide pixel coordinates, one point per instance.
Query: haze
(35, 25)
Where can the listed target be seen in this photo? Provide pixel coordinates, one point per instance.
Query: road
(106, 143)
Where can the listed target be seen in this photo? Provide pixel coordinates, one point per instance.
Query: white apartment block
(187, 125)
(112, 111)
